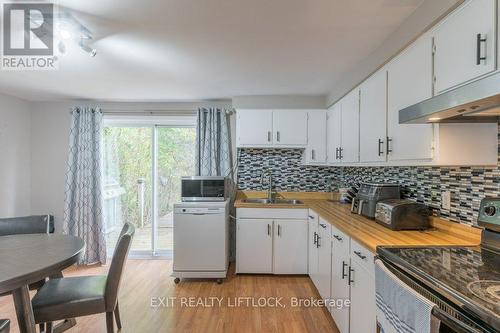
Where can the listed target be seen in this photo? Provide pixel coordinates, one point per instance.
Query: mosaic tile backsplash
(467, 185)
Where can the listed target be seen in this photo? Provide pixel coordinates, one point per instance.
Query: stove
(463, 281)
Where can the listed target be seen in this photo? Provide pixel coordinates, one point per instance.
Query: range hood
(475, 102)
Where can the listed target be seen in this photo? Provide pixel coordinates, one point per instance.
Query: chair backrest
(4, 325)
(36, 224)
(117, 265)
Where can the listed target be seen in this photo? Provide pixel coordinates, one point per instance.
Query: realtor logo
(28, 36)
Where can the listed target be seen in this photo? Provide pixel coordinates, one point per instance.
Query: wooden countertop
(371, 234)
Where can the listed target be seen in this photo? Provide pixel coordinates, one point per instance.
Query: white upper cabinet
(409, 82)
(349, 149)
(254, 127)
(271, 128)
(372, 126)
(465, 44)
(290, 127)
(334, 135)
(315, 152)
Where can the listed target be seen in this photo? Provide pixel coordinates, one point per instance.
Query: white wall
(15, 150)
(49, 142)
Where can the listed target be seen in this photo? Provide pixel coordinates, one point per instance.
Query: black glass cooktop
(471, 275)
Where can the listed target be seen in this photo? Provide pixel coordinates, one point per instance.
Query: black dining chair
(35, 224)
(71, 297)
(4, 326)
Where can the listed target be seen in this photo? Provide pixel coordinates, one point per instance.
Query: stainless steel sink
(274, 202)
(257, 201)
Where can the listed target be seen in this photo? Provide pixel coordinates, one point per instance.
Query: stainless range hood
(475, 102)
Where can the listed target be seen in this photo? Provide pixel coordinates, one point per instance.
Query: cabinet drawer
(313, 215)
(325, 227)
(340, 237)
(271, 213)
(363, 256)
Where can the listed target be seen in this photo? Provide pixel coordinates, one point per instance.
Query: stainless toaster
(400, 214)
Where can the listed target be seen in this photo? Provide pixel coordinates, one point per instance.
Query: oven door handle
(455, 324)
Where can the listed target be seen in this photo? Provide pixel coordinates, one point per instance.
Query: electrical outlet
(446, 200)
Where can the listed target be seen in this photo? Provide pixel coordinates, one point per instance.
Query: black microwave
(203, 188)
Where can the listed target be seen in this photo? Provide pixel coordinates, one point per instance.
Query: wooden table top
(371, 234)
(26, 259)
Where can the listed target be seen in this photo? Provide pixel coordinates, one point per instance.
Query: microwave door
(213, 189)
(191, 189)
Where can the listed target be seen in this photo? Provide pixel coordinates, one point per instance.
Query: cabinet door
(290, 246)
(409, 82)
(363, 311)
(340, 289)
(254, 246)
(324, 262)
(333, 135)
(372, 125)
(350, 128)
(316, 137)
(290, 127)
(254, 127)
(458, 50)
(312, 248)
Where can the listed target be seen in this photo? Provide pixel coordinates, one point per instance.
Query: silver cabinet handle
(312, 155)
(359, 254)
(278, 136)
(344, 274)
(380, 143)
(311, 217)
(323, 225)
(480, 57)
(268, 229)
(279, 230)
(269, 136)
(388, 148)
(337, 237)
(315, 239)
(351, 280)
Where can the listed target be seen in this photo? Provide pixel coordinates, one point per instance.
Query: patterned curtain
(213, 150)
(83, 204)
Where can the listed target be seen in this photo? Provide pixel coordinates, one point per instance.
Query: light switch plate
(446, 200)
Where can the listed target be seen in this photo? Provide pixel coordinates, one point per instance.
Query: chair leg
(117, 317)
(109, 322)
(50, 327)
(42, 327)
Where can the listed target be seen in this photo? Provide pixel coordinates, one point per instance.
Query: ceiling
(166, 50)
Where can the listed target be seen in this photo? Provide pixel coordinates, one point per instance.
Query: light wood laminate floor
(146, 279)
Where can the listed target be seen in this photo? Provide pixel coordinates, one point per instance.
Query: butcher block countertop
(367, 232)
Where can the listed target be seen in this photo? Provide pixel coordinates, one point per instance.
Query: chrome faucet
(270, 194)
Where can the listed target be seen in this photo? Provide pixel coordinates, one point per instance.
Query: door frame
(154, 123)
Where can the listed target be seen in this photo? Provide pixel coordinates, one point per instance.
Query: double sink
(273, 201)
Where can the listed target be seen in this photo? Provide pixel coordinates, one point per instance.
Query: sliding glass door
(142, 170)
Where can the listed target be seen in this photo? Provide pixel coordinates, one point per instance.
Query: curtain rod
(180, 112)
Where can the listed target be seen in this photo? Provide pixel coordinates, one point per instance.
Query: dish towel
(400, 309)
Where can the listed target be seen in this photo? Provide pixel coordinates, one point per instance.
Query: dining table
(26, 259)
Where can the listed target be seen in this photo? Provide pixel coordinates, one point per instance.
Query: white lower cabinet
(343, 272)
(340, 290)
(254, 246)
(290, 247)
(363, 311)
(324, 245)
(312, 247)
(272, 241)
